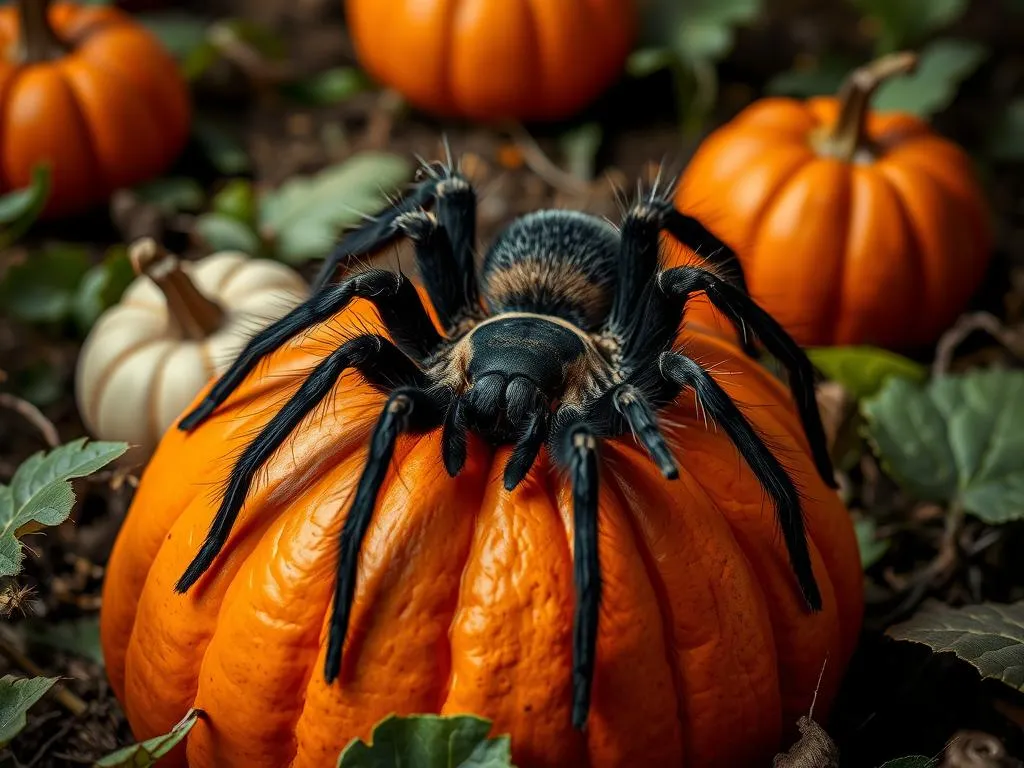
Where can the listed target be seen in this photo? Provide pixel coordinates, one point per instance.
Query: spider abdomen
(559, 263)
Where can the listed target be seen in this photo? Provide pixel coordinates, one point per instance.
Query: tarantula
(566, 337)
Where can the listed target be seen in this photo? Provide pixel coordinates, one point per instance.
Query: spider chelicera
(565, 338)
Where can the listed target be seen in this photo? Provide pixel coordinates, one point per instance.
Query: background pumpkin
(492, 59)
(176, 326)
(464, 602)
(852, 227)
(92, 93)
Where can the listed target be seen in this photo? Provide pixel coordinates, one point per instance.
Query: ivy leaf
(81, 637)
(819, 78)
(40, 495)
(864, 370)
(305, 215)
(989, 636)
(42, 289)
(941, 67)
(178, 31)
(958, 441)
(236, 200)
(226, 233)
(17, 696)
(145, 754)
(907, 22)
(20, 208)
(913, 761)
(332, 86)
(872, 549)
(429, 741)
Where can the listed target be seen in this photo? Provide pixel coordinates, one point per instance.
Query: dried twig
(543, 166)
(977, 321)
(32, 415)
(67, 699)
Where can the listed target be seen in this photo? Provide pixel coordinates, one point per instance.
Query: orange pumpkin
(706, 653)
(494, 59)
(90, 92)
(852, 227)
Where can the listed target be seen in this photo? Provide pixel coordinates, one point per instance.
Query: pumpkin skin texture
(465, 599)
(492, 59)
(882, 242)
(141, 365)
(97, 98)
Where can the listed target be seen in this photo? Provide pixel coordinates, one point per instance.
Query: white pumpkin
(177, 325)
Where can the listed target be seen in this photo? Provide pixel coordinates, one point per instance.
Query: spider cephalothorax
(567, 338)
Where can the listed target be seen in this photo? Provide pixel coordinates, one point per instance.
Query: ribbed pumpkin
(853, 227)
(706, 654)
(91, 93)
(494, 59)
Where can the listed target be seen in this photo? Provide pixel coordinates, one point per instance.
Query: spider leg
(407, 409)
(636, 410)
(526, 449)
(394, 296)
(453, 438)
(684, 372)
(376, 233)
(638, 263)
(373, 356)
(456, 212)
(698, 238)
(575, 446)
(743, 311)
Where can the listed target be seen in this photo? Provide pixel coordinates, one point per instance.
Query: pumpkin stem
(197, 316)
(38, 41)
(849, 134)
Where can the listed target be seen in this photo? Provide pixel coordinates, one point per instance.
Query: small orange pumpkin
(494, 59)
(90, 92)
(706, 653)
(852, 227)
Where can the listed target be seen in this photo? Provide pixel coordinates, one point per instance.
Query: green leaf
(647, 61)
(257, 37)
(146, 753)
(102, 287)
(221, 147)
(822, 78)
(907, 22)
(236, 200)
(429, 741)
(172, 194)
(179, 32)
(80, 637)
(1006, 142)
(942, 66)
(864, 370)
(20, 208)
(990, 636)
(580, 147)
(224, 233)
(958, 441)
(304, 216)
(872, 549)
(913, 761)
(332, 86)
(17, 696)
(40, 495)
(697, 29)
(42, 289)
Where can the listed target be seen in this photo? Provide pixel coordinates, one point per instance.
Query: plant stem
(196, 316)
(38, 41)
(67, 699)
(849, 134)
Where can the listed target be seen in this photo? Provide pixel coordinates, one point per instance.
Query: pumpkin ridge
(97, 396)
(84, 126)
(922, 299)
(782, 180)
(534, 51)
(153, 402)
(660, 596)
(447, 48)
(837, 288)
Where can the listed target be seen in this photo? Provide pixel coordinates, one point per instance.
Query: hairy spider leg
(408, 409)
(686, 373)
(376, 358)
(574, 445)
(743, 311)
(392, 294)
(526, 449)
